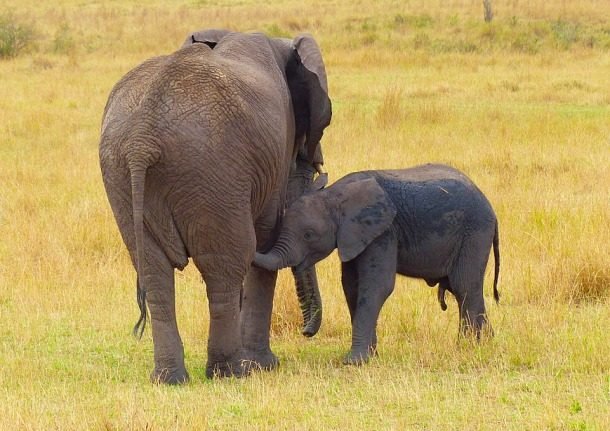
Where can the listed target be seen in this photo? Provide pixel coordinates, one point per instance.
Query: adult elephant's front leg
(256, 307)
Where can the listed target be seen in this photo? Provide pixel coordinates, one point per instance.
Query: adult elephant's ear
(210, 37)
(306, 76)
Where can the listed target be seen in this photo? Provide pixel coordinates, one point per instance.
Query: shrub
(414, 21)
(63, 43)
(421, 41)
(565, 33)
(14, 36)
(526, 42)
(369, 38)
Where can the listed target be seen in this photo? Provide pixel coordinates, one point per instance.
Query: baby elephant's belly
(429, 260)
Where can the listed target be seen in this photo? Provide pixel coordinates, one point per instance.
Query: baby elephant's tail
(496, 246)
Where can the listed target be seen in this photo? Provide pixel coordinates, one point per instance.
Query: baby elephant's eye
(308, 235)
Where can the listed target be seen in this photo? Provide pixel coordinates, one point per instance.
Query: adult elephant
(198, 152)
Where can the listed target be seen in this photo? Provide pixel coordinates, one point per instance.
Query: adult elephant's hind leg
(257, 297)
(257, 303)
(160, 296)
(223, 275)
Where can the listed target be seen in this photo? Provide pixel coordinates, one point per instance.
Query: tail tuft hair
(138, 329)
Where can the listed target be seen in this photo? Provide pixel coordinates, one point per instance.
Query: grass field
(521, 104)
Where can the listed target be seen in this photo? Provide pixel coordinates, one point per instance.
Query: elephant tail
(138, 179)
(496, 247)
(138, 328)
(140, 153)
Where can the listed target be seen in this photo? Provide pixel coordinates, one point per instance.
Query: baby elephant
(428, 222)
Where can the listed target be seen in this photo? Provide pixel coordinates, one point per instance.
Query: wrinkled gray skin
(199, 150)
(428, 222)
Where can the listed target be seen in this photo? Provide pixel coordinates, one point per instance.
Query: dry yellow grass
(521, 105)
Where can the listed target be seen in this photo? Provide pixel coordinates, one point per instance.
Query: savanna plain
(521, 104)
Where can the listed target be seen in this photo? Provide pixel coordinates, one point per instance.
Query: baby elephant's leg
(349, 280)
(376, 274)
(466, 281)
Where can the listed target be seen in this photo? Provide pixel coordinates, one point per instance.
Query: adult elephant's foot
(169, 377)
(238, 368)
(262, 360)
(357, 357)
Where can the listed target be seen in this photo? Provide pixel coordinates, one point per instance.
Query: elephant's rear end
(197, 138)
(451, 227)
(469, 211)
(129, 137)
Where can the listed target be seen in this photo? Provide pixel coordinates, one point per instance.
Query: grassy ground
(522, 105)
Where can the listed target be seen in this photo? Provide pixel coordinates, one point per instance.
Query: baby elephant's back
(436, 194)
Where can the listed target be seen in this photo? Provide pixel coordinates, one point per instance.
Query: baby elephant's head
(307, 236)
(349, 215)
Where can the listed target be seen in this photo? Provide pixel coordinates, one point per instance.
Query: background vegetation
(522, 104)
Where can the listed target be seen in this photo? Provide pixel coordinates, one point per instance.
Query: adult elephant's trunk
(309, 299)
(308, 291)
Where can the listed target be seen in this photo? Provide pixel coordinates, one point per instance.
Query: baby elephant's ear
(367, 213)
